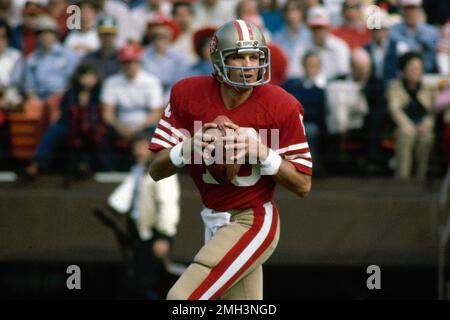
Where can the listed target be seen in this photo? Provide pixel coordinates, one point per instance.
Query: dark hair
(4, 25)
(308, 55)
(290, 3)
(404, 60)
(179, 4)
(80, 71)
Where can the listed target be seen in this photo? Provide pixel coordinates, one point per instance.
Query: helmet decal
(213, 44)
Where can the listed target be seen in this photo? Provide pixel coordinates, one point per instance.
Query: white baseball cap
(318, 16)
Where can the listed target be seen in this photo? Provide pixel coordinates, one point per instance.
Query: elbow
(303, 190)
(154, 173)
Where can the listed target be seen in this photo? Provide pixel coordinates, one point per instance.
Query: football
(224, 171)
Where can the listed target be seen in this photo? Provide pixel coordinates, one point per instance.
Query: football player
(241, 218)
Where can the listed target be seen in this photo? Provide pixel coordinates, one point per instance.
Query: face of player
(140, 151)
(243, 60)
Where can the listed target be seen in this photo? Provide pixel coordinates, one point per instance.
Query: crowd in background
(374, 81)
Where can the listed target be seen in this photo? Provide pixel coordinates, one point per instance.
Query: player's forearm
(290, 178)
(160, 166)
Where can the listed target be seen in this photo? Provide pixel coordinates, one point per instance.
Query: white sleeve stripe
(293, 147)
(172, 129)
(298, 155)
(304, 162)
(161, 143)
(166, 136)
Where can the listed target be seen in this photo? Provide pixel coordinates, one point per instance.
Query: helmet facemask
(263, 68)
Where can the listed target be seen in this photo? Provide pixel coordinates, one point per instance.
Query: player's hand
(161, 248)
(247, 148)
(202, 143)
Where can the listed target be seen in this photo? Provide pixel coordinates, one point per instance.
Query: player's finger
(231, 125)
(209, 125)
(236, 146)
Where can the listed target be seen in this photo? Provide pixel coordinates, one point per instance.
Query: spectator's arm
(109, 115)
(396, 109)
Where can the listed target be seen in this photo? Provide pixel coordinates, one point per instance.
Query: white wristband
(176, 155)
(271, 165)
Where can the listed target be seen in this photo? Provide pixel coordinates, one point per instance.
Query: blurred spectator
(346, 102)
(248, 10)
(383, 54)
(58, 10)
(202, 38)
(150, 10)
(353, 29)
(271, 14)
(443, 105)
(160, 57)
(132, 101)
(86, 39)
(24, 35)
(119, 10)
(105, 59)
(411, 107)
(213, 12)
(443, 54)
(415, 35)
(334, 52)
(182, 12)
(153, 208)
(390, 6)
(9, 58)
(294, 34)
(309, 90)
(48, 69)
(79, 125)
(278, 65)
(6, 10)
(334, 8)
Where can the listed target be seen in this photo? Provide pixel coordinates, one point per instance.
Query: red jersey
(268, 107)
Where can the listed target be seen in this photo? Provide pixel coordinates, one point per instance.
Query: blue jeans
(55, 134)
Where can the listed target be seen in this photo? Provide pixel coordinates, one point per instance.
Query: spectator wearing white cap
(334, 52)
(415, 35)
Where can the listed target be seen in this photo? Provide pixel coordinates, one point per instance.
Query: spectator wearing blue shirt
(415, 35)
(310, 91)
(294, 32)
(49, 68)
(271, 14)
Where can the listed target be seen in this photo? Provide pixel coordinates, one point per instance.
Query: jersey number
(246, 181)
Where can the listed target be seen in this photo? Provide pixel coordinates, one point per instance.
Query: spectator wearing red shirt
(353, 31)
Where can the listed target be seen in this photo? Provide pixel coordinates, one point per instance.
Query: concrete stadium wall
(342, 222)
